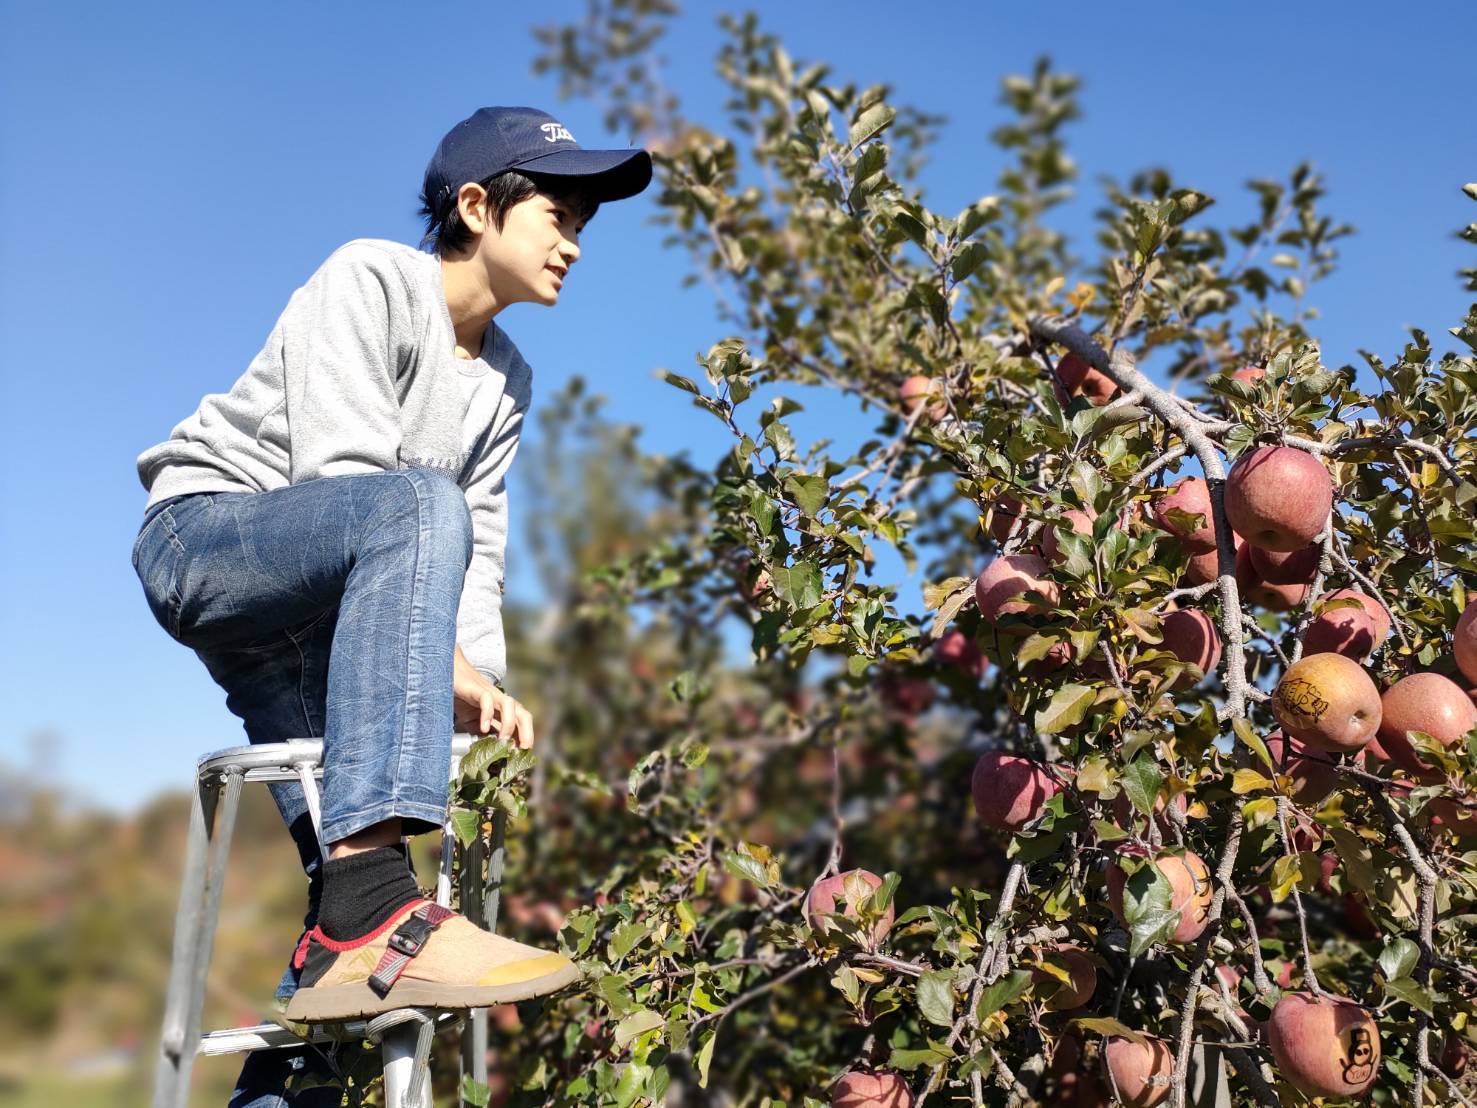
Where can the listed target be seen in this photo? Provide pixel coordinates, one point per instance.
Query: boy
(328, 538)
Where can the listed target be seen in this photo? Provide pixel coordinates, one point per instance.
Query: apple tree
(1171, 796)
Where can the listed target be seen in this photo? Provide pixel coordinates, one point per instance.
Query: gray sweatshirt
(360, 375)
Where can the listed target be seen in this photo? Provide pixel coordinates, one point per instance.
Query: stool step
(271, 1036)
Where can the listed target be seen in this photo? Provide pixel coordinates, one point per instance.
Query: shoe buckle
(410, 936)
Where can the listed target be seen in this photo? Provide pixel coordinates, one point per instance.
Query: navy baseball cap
(492, 140)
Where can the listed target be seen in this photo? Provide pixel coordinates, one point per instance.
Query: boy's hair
(446, 232)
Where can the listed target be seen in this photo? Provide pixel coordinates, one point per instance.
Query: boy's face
(528, 260)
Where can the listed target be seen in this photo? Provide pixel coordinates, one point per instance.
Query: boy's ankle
(364, 889)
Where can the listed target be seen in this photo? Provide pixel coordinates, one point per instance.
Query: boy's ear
(471, 202)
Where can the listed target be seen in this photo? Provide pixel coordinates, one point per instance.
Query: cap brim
(605, 174)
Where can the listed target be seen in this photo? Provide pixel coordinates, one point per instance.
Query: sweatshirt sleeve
(480, 615)
(342, 341)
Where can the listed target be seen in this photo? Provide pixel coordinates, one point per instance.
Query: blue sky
(169, 173)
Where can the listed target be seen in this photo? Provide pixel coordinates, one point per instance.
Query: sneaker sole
(331, 1003)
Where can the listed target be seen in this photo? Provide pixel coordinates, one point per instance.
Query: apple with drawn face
(1325, 1046)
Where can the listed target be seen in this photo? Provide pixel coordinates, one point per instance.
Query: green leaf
(869, 124)
(932, 1055)
(748, 868)
(972, 218)
(809, 493)
(464, 824)
(676, 380)
(1003, 993)
(474, 1092)
(1068, 707)
(629, 1087)
(1036, 647)
(936, 997)
(1398, 959)
(483, 754)
(969, 258)
(1103, 1025)
(705, 1058)
(798, 585)
(1252, 739)
(1141, 780)
(849, 985)
(1147, 908)
(637, 1023)
(1358, 859)
(626, 936)
(1416, 996)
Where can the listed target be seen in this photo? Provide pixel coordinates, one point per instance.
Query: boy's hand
(477, 704)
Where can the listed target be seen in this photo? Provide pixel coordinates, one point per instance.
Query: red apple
(1142, 1072)
(1204, 567)
(1250, 374)
(1328, 702)
(1005, 511)
(917, 390)
(999, 588)
(1081, 983)
(1423, 702)
(908, 696)
(1325, 1046)
(1453, 1060)
(1278, 497)
(1190, 891)
(1313, 776)
(868, 1089)
(1073, 1084)
(849, 889)
(1231, 975)
(1287, 567)
(1353, 632)
(955, 648)
(1458, 817)
(1010, 791)
(1190, 635)
(1356, 915)
(1260, 594)
(1190, 495)
(1464, 641)
(1079, 377)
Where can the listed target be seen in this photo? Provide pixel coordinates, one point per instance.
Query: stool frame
(404, 1035)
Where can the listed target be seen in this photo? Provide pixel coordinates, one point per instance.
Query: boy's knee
(434, 504)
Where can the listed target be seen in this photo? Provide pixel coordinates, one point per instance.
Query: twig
(1120, 369)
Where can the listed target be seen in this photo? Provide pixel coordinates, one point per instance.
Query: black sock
(361, 891)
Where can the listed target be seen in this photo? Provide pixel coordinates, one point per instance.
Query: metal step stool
(404, 1036)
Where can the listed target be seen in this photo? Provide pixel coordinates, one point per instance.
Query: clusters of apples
(1277, 501)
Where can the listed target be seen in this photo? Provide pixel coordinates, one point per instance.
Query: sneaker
(424, 956)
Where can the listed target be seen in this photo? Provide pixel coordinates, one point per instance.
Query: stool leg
(173, 1055)
(199, 965)
(473, 889)
(399, 1049)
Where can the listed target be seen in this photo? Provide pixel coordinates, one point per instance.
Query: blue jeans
(326, 609)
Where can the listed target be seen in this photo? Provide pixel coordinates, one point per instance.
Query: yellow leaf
(1248, 781)
(1094, 776)
(1259, 811)
(1081, 296)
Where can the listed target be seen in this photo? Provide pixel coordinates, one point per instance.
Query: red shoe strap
(406, 941)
